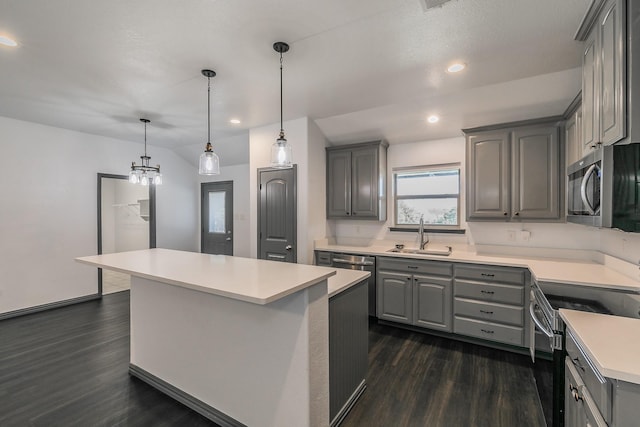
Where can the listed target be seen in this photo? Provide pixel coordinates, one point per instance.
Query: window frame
(427, 168)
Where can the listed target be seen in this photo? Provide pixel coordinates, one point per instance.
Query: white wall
(49, 216)
(239, 174)
(307, 143)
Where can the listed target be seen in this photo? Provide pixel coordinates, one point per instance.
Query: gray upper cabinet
(488, 174)
(514, 173)
(356, 181)
(603, 74)
(573, 137)
(536, 181)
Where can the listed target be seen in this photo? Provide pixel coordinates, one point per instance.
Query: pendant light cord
(209, 110)
(281, 125)
(145, 139)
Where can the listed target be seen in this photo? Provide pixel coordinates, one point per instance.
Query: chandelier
(143, 173)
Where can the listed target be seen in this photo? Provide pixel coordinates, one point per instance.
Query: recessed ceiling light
(234, 121)
(433, 119)
(7, 41)
(454, 68)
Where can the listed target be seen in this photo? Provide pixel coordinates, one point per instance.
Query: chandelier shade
(209, 163)
(144, 173)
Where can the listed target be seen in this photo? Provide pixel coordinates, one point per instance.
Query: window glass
(430, 192)
(217, 212)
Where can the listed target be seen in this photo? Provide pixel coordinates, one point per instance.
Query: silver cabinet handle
(346, 261)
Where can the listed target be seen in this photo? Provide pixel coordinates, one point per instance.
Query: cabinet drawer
(489, 331)
(492, 312)
(491, 274)
(508, 294)
(404, 265)
(598, 386)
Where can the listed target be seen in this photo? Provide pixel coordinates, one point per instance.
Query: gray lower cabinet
(394, 296)
(594, 400)
(415, 292)
(513, 173)
(489, 303)
(348, 349)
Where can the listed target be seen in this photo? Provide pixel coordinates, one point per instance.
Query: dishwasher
(352, 262)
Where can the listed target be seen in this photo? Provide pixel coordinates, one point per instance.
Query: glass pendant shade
(281, 154)
(209, 162)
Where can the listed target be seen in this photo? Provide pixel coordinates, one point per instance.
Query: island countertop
(245, 279)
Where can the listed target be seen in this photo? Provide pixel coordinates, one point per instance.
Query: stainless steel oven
(590, 187)
(545, 302)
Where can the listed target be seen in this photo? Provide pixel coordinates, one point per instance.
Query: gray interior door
(217, 218)
(277, 214)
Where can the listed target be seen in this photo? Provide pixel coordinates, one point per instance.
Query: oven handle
(548, 333)
(583, 189)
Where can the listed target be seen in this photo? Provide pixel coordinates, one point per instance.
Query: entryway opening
(126, 222)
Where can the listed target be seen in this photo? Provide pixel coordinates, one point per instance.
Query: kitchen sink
(446, 251)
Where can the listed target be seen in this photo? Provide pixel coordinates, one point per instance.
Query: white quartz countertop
(612, 343)
(545, 270)
(344, 279)
(246, 279)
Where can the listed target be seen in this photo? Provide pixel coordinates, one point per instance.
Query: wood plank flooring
(68, 367)
(417, 379)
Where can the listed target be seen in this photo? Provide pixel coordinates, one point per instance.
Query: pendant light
(281, 150)
(143, 173)
(209, 161)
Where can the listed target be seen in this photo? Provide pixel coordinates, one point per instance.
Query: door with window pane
(217, 218)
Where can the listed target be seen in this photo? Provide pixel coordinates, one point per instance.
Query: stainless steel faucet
(421, 233)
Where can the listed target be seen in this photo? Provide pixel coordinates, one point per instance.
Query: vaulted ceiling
(360, 68)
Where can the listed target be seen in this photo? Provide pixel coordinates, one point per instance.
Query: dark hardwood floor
(68, 367)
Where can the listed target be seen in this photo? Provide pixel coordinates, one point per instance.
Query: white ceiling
(360, 68)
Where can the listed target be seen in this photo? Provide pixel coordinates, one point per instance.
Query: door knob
(288, 247)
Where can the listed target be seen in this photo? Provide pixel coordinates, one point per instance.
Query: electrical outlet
(511, 235)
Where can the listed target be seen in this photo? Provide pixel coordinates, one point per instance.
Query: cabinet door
(574, 412)
(394, 297)
(573, 140)
(488, 173)
(536, 170)
(590, 110)
(364, 184)
(611, 41)
(338, 183)
(432, 302)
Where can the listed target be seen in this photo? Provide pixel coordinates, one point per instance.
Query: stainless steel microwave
(590, 188)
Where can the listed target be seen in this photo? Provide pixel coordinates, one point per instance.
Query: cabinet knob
(348, 213)
(517, 213)
(355, 213)
(505, 214)
(592, 146)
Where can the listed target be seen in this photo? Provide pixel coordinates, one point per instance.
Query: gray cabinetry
(394, 296)
(573, 137)
(489, 303)
(348, 349)
(356, 181)
(536, 171)
(594, 400)
(514, 173)
(604, 74)
(415, 292)
(488, 175)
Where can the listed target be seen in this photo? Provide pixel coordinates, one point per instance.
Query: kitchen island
(242, 341)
